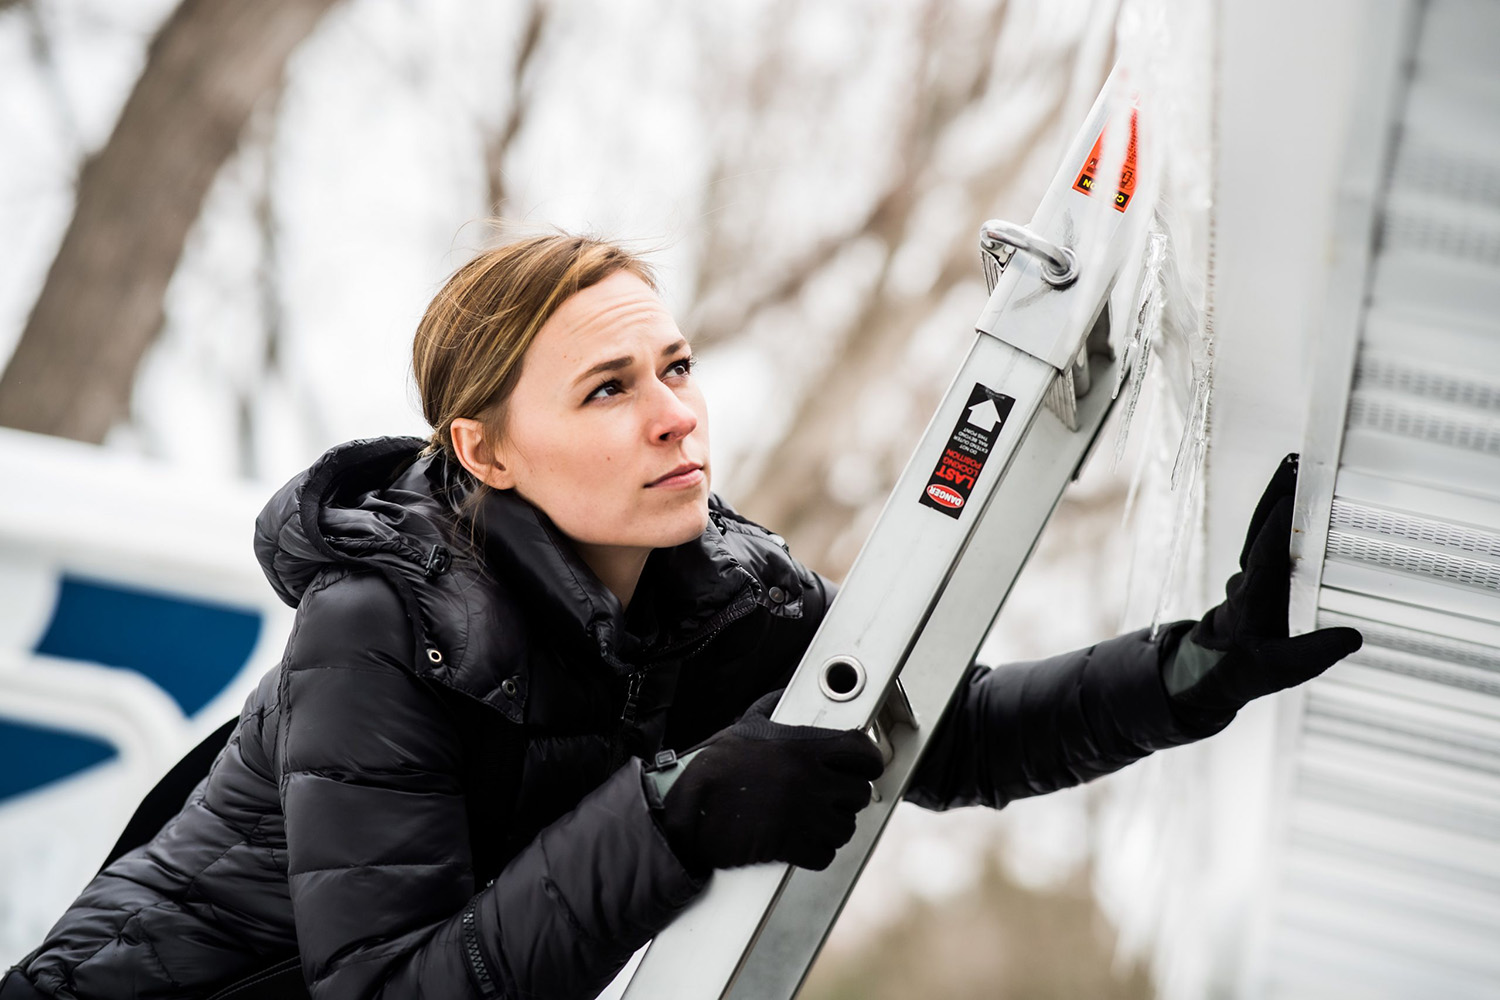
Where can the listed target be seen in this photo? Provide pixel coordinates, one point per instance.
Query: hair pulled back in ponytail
(471, 342)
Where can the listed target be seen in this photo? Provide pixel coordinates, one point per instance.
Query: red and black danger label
(1126, 190)
(957, 471)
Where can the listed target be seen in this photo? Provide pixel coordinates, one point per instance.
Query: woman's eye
(608, 389)
(683, 366)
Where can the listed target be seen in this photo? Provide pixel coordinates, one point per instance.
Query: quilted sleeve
(1030, 728)
(379, 862)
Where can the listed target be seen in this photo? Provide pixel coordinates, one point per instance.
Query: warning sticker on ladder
(958, 468)
(1126, 191)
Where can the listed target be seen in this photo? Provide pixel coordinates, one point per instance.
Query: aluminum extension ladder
(930, 579)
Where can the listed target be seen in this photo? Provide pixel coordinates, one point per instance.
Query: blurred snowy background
(222, 222)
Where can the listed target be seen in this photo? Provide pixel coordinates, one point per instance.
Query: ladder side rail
(871, 622)
(811, 901)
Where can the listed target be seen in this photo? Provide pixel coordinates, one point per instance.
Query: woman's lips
(679, 480)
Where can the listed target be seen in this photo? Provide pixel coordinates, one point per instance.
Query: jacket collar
(384, 504)
(682, 590)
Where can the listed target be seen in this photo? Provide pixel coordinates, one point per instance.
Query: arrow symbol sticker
(984, 416)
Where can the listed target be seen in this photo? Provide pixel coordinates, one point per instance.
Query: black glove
(1241, 650)
(761, 791)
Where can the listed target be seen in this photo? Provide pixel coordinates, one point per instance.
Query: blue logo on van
(189, 648)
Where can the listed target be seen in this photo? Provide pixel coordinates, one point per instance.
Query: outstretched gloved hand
(1241, 649)
(762, 791)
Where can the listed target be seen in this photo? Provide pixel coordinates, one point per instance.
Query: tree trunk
(101, 305)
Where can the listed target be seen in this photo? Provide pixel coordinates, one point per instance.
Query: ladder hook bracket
(1000, 238)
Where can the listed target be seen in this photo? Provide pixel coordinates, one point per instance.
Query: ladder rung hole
(842, 679)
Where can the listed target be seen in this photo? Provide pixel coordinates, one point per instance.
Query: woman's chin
(687, 526)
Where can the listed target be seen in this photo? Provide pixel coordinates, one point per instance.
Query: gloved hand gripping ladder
(931, 577)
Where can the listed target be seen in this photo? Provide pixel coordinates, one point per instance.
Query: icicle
(1147, 329)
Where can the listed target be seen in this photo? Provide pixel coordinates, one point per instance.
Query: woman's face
(606, 430)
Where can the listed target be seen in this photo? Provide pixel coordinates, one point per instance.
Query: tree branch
(790, 492)
(498, 144)
(101, 305)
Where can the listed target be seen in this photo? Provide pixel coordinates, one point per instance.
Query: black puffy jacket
(437, 792)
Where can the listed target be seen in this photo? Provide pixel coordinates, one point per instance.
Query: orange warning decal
(1085, 181)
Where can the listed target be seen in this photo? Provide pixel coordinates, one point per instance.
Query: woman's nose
(671, 418)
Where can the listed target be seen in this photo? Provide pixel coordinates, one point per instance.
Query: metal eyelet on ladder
(1059, 264)
(842, 678)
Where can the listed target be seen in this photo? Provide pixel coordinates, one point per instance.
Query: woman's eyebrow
(615, 364)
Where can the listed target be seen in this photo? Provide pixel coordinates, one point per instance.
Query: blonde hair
(470, 343)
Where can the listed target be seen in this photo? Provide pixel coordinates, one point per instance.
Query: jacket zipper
(632, 696)
(728, 617)
(476, 956)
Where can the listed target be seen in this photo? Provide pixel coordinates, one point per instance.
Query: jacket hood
(472, 585)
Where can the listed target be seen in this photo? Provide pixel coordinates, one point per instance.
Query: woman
(440, 791)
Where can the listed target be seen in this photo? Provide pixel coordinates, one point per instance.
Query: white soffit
(1385, 875)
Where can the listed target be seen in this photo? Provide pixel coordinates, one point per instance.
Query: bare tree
(101, 305)
(791, 491)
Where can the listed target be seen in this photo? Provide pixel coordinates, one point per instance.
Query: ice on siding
(1145, 827)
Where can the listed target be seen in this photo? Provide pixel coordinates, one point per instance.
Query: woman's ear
(477, 455)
